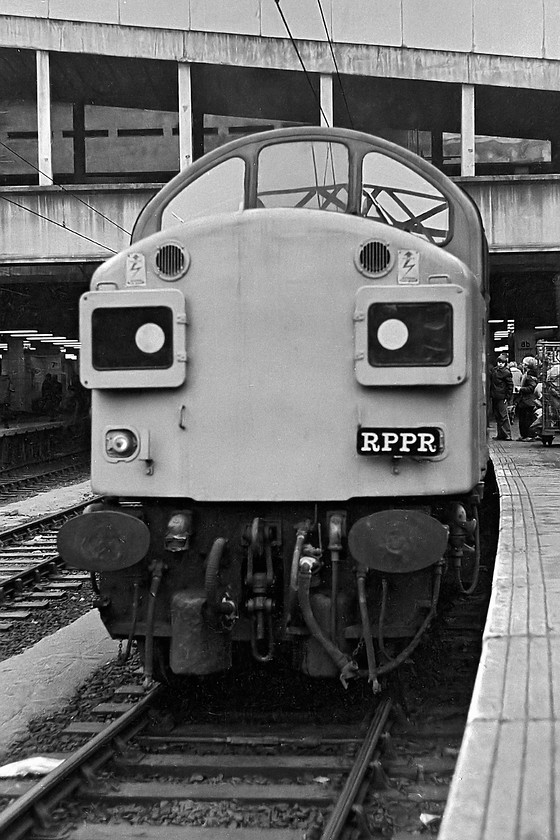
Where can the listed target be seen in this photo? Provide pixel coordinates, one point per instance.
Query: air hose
(345, 665)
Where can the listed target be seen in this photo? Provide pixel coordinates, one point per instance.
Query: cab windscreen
(132, 338)
(410, 334)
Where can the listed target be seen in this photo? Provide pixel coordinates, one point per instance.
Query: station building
(101, 103)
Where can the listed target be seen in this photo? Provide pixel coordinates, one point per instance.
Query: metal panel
(438, 24)
(26, 8)
(303, 17)
(367, 22)
(173, 14)
(242, 17)
(102, 11)
(551, 29)
(508, 27)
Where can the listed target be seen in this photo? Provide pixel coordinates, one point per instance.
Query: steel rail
(339, 816)
(41, 521)
(43, 568)
(19, 817)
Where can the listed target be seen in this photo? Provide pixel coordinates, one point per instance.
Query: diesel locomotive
(287, 369)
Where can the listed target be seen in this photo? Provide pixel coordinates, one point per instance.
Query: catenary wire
(58, 224)
(303, 67)
(64, 189)
(338, 76)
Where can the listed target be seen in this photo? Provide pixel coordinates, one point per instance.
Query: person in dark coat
(501, 391)
(527, 400)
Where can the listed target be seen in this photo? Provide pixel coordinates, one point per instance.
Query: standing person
(527, 403)
(501, 391)
(516, 375)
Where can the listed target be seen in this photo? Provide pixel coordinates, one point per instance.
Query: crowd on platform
(518, 391)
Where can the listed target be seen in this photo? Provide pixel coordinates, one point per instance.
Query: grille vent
(374, 257)
(171, 261)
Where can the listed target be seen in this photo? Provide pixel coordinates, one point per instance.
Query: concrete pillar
(467, 130)
(14, 366)
(185, 116)
(326, 99)
(44, 145)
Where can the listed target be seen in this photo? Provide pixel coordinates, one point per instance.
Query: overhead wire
(64, 189)
(338, 76)
(58, 224)
(303, 67)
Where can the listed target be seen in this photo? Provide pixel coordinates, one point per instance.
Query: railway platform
(37, 681)
(507, 779)
(28, 440)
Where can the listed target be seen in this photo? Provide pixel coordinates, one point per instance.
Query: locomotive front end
(288, 420)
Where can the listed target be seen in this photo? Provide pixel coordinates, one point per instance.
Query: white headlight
(121, 443)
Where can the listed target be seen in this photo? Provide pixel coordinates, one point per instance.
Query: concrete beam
(278, 53)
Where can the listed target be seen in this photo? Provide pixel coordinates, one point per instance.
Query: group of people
(514, 390)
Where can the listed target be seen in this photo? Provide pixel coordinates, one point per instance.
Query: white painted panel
(508, 27)
(438, 24)
(28, 234)
(25, 8)
(367, 22)
(101, 11)
(303, 18)
(170, 14)
(242, 17)
(551, 29)
(522, 214)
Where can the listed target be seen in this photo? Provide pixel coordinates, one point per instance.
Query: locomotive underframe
(217, 576)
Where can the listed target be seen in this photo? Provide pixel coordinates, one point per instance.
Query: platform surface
(30, 425)
(507, 780)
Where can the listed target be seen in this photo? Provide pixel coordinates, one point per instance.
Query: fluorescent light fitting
(547, 327)
(496, 321)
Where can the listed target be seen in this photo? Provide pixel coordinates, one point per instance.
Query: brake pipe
(404, 654)
(381, 638)
(157, 575)
(335, 547)
(135, 602)
(366, 632)
(213, 566)
(301, 534)
(345, 665)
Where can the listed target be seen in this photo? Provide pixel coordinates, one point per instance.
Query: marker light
(121, 443)
(392, 334)
(149, 338)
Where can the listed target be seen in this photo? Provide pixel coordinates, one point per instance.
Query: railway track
(162, 767)
(25, 479)
(31, 570)
(245, 773)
